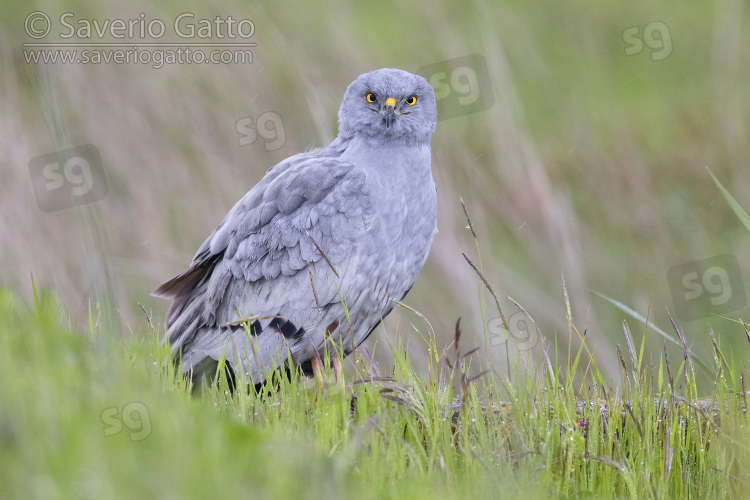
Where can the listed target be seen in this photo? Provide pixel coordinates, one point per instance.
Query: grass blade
(736, 208)
(630, 312)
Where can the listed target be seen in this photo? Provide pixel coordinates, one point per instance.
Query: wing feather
(256, 262)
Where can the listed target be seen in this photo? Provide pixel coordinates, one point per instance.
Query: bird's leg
(338, 372)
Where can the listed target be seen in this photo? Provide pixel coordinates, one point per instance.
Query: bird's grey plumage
(367, 202)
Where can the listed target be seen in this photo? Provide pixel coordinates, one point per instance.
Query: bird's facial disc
(389, 104)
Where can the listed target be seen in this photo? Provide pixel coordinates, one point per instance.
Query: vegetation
(88, 416)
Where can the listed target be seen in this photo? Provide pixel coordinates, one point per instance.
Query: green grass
(453, 433)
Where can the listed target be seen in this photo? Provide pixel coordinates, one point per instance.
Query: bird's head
(389, 103)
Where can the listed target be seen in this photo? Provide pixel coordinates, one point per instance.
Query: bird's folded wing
(256, 261)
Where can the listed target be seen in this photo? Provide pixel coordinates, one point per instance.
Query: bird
(317, 253)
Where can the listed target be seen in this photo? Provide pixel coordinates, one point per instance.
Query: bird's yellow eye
(411, 101)
(370, 97)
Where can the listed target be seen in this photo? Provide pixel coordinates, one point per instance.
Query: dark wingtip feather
(188, 279)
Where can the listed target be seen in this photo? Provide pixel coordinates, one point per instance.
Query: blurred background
(577, 133)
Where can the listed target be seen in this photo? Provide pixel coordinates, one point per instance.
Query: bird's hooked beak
(389, 111)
